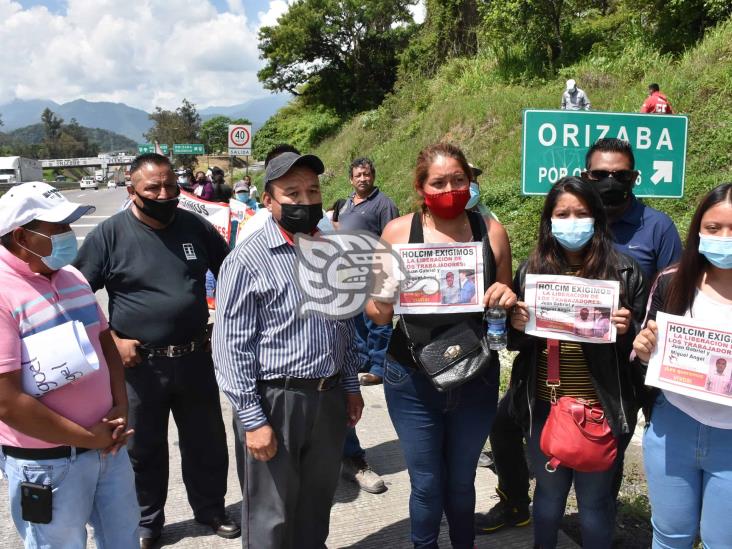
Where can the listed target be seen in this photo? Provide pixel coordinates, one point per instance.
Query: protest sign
(571, 308)
(215, 213)
(56, 357)
(692, 357)
(240, 213)
(442, 278)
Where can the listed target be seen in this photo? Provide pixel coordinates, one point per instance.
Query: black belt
(173, 351)
(290, 383)
(36, 454)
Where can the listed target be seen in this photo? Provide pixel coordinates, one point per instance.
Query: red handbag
(576, 433)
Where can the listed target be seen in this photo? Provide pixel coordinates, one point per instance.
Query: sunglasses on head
(624, 176)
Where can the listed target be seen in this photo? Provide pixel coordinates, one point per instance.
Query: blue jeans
(87, 488)
(352, 446)
(595, 496)
(372, 340)
(689, 471)
(441, 435)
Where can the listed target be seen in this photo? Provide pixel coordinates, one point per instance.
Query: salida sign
(555, 144)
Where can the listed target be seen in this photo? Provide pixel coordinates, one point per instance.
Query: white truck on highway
(17, 169)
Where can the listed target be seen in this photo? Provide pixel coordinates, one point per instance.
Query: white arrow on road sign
(664, 171)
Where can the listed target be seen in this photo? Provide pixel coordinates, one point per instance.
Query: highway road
(108, 202)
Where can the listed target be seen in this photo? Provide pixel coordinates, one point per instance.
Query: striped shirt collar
(273, 235)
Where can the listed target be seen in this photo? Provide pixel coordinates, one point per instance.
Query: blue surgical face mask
(572, 233)
(63, 250)
(474, 196)
(242, 197)
(717, 249)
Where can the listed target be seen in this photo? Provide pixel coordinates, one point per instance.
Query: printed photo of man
(449, 291)
(718, 380)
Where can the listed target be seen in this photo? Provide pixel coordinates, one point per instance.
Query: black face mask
(161, 211)
(300, 218)
(614, 194)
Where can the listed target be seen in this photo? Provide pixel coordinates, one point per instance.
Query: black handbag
(458, 355)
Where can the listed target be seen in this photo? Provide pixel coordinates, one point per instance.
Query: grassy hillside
(467, 103)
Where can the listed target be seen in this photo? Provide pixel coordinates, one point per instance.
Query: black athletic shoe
(500, 515)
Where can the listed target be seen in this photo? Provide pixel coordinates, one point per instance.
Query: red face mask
(447, 205)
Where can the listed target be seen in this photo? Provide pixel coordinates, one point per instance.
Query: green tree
(679, 24)
(214, 132)
(340, 53)
(449, 30)
(179, 126)
(52, 131)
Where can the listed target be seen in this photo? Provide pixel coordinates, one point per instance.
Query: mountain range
(123, 119)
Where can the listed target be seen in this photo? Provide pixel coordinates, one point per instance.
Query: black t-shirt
(155, 278)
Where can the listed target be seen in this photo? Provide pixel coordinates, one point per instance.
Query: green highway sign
(555, 144)
(145, 148)
(188, 148)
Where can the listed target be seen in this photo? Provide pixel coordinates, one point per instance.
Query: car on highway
(88, 182)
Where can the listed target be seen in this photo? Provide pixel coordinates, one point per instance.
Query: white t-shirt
(708, 413)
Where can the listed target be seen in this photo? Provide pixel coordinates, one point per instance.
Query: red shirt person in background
(656, 102)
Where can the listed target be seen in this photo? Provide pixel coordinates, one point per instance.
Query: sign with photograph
(442, 278)
(570, 308)
(692, 357)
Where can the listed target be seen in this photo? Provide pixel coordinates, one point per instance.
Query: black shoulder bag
(461, 352)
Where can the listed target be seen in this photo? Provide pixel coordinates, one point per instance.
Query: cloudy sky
(145, 53)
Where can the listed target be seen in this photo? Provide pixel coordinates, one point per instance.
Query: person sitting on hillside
(574, 99)
(656, 102)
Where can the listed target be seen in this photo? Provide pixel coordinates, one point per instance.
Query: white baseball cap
(571, 84)
(37, 201)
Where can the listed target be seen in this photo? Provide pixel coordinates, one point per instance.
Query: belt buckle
(321, 384)
(171, 353)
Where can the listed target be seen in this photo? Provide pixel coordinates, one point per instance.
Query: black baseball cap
(283, 163)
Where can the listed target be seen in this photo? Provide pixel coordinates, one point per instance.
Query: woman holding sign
(442, 431)
(592, 378)
(687, 447)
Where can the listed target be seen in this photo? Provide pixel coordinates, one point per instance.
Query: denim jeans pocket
(48, 472)
(396, 374)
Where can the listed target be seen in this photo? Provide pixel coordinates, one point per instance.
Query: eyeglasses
(623, 176)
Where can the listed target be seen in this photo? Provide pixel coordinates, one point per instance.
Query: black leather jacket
(617, 383)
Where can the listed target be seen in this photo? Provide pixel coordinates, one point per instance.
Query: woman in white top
(687, 447)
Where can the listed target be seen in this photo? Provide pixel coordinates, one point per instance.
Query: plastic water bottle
(497, 337)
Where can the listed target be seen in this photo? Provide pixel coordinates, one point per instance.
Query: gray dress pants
(287, 500)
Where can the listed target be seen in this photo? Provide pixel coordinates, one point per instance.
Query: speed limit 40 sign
(240, 140)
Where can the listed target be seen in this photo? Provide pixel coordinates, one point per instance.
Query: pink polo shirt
(31, 303)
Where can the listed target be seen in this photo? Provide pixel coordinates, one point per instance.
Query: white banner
(215, 213)
(442, 278)
(692, 357)
(571, 308)
(56, 357)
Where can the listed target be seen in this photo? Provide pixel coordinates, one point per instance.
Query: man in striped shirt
(291, 379)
